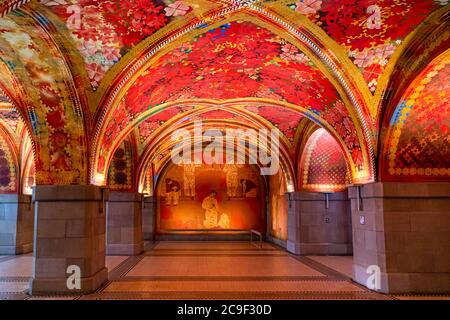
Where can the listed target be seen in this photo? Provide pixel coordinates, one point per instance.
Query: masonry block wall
(404, 229)
(16, 224)
(69, 231)
(124, 223)
(314, 229)
(148, 218)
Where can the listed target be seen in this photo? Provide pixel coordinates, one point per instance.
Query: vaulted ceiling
(85, 76)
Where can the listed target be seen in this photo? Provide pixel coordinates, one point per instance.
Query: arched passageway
(127, 126)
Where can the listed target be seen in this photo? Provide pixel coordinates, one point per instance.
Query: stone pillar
(148, 218)
(317, 226)
(404, 230)
(16, 224)
(124, 223)
(69, 232)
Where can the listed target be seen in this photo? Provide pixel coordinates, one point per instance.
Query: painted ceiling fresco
(215, 65)
(419, 135)
(370, 30)
(10, 116)
(324, 165)
(105, 30)
(246, 63)
(283, 119)
(56, 123)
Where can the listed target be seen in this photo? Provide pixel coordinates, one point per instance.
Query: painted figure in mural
(172, 192)
(189, 180)
(232, 179)
(224, 221)
(211, 207)
(248, 188)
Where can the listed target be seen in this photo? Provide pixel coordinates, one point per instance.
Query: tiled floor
(222, 266)
(209, 270)
(342, 264)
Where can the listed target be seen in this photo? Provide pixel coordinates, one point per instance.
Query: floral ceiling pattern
(418, 144)
(241, 56)
(105, 30)
(370, 30)
(324, 165)
(281, 118)
(215, 64)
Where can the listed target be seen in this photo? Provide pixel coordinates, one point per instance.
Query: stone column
(404, 230)
(16, 224)
(69, 233)
(148, 218)
(124, 223)
(317, 225)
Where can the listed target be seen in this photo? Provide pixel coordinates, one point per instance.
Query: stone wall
(149, 218)
(404, 229)
(124, 223)
(314, 229)
(69, 231)
(16, 224)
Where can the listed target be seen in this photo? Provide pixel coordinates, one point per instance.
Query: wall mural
(370, 30)
(324, 167)
(418, 143)
(215, 197)
(278, 207)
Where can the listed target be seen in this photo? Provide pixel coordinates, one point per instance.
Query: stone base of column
(124, 224)
(317, 226)
(148, 218)
(16, 224)
(404, 230)
(70, 233)
(319, 249)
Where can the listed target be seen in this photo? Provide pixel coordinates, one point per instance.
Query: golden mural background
(187, 201)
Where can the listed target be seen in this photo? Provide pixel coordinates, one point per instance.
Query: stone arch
(114, 96)
(150, 153)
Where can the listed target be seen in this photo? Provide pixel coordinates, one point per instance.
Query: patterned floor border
(119, 274)
(237, 296)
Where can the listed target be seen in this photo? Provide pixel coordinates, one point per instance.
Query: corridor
(208, 270)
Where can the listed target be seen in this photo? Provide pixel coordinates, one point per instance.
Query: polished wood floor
(209, 270)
